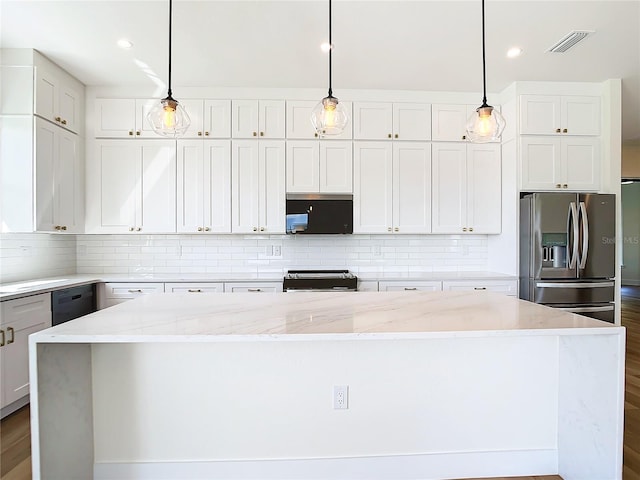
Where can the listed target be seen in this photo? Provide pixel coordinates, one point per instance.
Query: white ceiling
(394, 44)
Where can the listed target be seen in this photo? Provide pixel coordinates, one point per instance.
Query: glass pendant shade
(168, 118)
(485, 125)
(329, 117)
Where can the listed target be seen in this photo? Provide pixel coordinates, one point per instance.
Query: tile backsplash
(25, 256)
(275, 254)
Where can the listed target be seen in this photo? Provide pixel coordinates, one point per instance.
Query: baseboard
(392, 467)
(12, 407)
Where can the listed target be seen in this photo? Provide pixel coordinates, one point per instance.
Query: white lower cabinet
(19, 318)
(254, 287)
(508, 287)
(113, 293)
(410, 285)
(200, 287)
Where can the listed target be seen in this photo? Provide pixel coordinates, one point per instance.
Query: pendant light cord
(170, 11)
(484, 68)
(330, 48)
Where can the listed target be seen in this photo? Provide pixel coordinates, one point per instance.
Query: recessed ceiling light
(325, 47)
(124, 43)
(514, 52)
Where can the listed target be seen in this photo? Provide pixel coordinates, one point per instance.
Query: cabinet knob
(255, 134)
(396, 135)
(262, 134)
(396, 229)
(464, 137)
(64, 122)
(389, 135)
(13, 335)
(206, 134)
(138, 229)
(57, 227)
(464, 229)
(137, 132)
(199, 134)
(63, 227)
(262, 229)
(564, 185)
(199, 229)
(388, 229)
(558, 185)
(255, 229)
(564, 130)
(57, 119)
(315, 134)
(1, 338)
(131, 132)
(206, 229)
(131, 229)
(471, 229)
(557, 130)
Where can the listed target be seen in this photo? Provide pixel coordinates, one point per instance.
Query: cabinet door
(271, 118)
(448, 122)
(581, 163)
(20, 318)
(115, 117)
(253, 287)
(69, 183)
(299, 124)
(208, 287)
(110, 294)
(336, 166)
(191, 186)
(143, 126)
(46, 151)
(508, 287)
(217, 118)
(372, 187)
(244, 118)
(541, 167)
(411, 188)
(540, 114)
(449, 201)
(195, 110)
(157, 211)
(46, 92)
(303, 167)
(410, 285)
(119, 170)
(411, 121)
(372, 121)
(271, 187)
(484, 187)
(69, 107)
(244, 186)
(580, 115)
(217, 191)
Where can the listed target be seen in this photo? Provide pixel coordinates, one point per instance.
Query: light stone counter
(440, 385)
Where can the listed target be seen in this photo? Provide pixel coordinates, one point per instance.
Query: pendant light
(168, 118)
(485, 124)
(329, 116)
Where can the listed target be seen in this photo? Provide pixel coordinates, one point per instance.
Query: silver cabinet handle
(135, 291)
(254, 290)
(479, 288)
(410, 288)
(194, 290)
(13, 335)
(585, 235)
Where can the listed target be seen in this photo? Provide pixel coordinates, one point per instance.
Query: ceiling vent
(569, 40)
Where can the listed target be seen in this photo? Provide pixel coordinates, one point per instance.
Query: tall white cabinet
(319, 167)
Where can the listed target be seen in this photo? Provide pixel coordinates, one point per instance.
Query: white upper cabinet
(209, 118)
(466, 188)
(123, 118)
(565, 115)
(448, 122)
(299, 124)
(57, 98)
(392, 188)
(204, 186)
(258, 119)
(384, 121)
(59, 179)
(319, 167)
(137, 187)
(560, 163)
(258, 187)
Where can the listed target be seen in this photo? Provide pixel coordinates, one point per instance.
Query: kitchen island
(440, 385)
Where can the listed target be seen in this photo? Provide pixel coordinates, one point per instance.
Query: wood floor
(15, 448)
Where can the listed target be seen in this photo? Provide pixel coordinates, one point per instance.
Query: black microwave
(319, 214)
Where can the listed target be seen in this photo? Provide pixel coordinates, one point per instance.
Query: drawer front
(131, 290)
(203, 287)
(423, 286)
(262, 287)
(23, 312)
(509, 287)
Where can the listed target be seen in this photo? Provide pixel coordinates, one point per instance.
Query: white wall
(631, 234)
(25, 256)
(195, 254)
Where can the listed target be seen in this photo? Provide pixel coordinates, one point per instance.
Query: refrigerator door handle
(572, 228)
(606, 308)
(575, 284)
(585, 235)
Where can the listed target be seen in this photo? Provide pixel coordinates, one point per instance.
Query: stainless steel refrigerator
(567, 252)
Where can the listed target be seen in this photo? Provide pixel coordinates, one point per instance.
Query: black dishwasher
(72, 303)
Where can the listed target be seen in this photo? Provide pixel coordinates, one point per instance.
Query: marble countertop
(9, 291)
(314, 316)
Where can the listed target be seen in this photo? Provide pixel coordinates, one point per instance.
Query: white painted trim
(392, 467)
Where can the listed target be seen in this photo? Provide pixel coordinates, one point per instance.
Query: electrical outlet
(340, 397)
(376, 250)
(277, 250)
